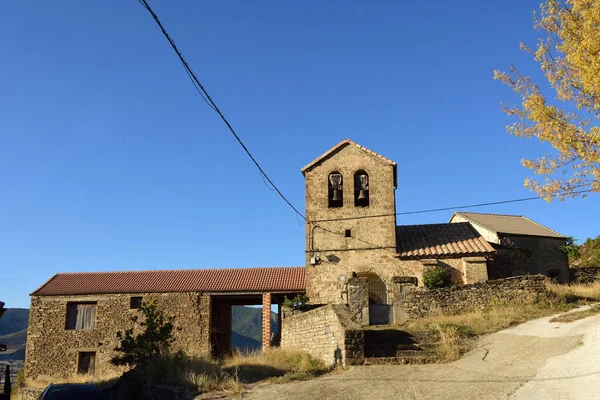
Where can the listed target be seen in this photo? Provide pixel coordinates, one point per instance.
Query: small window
(348, 233)
(335, 190)
(135, 302)
(81, 316)
(86, 364)
(361, 189)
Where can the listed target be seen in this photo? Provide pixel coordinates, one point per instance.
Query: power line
(447, 208)
(206, 97)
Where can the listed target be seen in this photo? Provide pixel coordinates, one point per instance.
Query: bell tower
(351, 228)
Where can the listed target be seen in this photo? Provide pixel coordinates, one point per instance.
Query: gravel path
(535, 360)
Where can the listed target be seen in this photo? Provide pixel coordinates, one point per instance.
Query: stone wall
(53, 350)
(327, 333)
(544, 255)
(419, 303)
(584, 274)
(29, 394)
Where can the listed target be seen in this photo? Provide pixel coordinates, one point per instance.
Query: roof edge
(34, 293)
(339, 146)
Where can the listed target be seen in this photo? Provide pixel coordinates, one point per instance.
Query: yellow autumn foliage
(569, 56)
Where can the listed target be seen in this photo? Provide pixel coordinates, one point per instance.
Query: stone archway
(380, 313)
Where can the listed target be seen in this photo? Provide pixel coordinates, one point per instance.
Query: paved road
(535, 360)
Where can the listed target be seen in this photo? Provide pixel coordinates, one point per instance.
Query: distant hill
(13, 333)
(246, 326)
(14, 320)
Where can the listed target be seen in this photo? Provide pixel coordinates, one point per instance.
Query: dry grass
(281, 364)
(100, 380)
(576, 315)
(590, 291)
(457, 333)
(203, 374)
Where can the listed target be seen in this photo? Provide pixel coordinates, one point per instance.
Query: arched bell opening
(361, 189)
(335, 190)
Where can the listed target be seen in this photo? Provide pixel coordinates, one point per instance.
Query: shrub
(154, 341)
(297, 303)
(437, 277)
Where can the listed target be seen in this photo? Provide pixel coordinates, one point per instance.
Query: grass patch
(576, 315)
(575, 292)
(203, 374)
(456, 334)
(280, 365)
(100, 380)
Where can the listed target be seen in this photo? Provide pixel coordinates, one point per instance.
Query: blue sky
(109, 159)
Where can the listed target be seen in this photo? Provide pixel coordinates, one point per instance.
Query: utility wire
(209, 101)
(447, 208)
(200, 88)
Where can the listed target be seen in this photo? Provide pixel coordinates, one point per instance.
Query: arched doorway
(379, 310)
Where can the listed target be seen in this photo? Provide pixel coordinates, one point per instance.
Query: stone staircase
(393, 346)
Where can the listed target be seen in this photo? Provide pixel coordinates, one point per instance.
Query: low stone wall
(584, 274)
(419, 303)
(29, 394)
(327, 333)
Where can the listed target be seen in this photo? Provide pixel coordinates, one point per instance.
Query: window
(81, 316)
(361, 189)
(335, 192)
(348, 233)
(86, 363)
(135, 302)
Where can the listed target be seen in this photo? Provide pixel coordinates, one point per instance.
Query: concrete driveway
(535, 360)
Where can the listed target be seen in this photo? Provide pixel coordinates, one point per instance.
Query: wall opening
(86, 363)
(361, 189)
(335, 190)
(380, 313)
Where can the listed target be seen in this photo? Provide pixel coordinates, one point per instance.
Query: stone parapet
(328, 333)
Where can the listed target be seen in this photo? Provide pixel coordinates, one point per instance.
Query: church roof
(166, 281)
(440, 240)
(339, 146)
(509, 224)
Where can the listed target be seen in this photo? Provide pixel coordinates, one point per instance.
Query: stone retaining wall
(29, 394)
(327, 333)
(419, 303)
(584, 274)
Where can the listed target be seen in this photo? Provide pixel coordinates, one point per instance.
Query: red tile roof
(339, 146)
(195, 280)
(435, 240)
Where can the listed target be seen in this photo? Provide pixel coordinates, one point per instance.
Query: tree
(569, 56)
(154, 340)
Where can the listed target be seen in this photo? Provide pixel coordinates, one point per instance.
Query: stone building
(358, 265)
(74, 317)
(352, 232)
(522, 246)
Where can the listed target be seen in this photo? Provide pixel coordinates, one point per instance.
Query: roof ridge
(502, 215)
(346, 141)
(440, 223)
(166, 270)
(543, 226)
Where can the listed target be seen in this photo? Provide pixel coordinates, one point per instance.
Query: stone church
(358, 262)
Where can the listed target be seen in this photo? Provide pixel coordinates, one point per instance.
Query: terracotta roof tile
(339, 146)
(511, 224)
(435, 240)
(196, 280)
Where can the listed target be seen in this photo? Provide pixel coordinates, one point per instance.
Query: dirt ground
(535, 360)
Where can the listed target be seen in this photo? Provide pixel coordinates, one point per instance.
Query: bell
(336, 195)
(361, 195)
